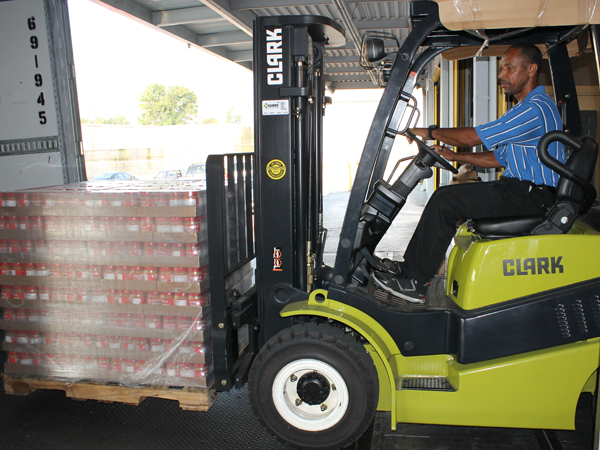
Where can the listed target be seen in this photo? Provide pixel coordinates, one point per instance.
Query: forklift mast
(289, 106)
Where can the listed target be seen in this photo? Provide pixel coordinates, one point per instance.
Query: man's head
(521, 65)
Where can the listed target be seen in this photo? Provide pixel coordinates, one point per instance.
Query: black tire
(339, 359)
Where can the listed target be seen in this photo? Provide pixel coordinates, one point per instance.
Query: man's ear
(532, 70)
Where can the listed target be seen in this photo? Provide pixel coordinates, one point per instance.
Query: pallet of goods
(107, 283)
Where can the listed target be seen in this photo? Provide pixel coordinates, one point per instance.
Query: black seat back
(574, 192)
(583, 163)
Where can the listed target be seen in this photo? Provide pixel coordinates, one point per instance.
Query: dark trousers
(454, 204)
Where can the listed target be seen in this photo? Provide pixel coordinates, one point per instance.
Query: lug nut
(298, 402)
(293, 378)
(323, 407)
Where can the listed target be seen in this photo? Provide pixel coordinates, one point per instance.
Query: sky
(116, 58)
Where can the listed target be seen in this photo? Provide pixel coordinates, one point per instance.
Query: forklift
(508, 337)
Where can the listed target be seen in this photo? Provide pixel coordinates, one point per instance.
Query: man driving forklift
(526, 186)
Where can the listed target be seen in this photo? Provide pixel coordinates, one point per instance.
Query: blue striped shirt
(514, 138)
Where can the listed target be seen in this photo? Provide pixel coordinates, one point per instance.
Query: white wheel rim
(304, 416)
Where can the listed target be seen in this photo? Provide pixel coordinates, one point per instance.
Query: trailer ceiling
(224, 27)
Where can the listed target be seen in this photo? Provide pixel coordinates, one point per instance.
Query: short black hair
(530, 53)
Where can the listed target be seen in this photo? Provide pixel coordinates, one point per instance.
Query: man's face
(515, 73)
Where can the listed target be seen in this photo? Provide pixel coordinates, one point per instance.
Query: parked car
(114, 176)
(196, 171)
(168, 175)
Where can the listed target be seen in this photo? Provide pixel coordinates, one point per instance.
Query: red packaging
(167, 298)
(137, 298)
(134, 249)
(147, 224)
(38, 223)
(120, 223)
(150, 249)
(165, 274)
(163, 249)
(103, 363)
(13, 222)
(41, 247)
(10, 199)
(25, 223)
(22, 199)
(186, 370)
(157, 345)
(153, 298)
(123, 273)
(117, 364)
(192, 250)
(180, 275)
(133, 224)
(3, 223)
(30, 293)
(170, 323)
(3, 246)
(17, 269)
(141, 344)
(180, 299)
(191, 225)
(114, 319)
(150, 273)
(137, 273)
(109, 272)
(139, 321)
(82, 271)
(28, 246)
(111, 296)
(161, 224)
(123, 296)
(176, 224)
(68, 271)
(200, 370)
(154, 322)
(95, 272)
(44, 293)
(55, 270)
(14, 246)
(177, 250)
(114, 342)
(13, 358)
(5, 270)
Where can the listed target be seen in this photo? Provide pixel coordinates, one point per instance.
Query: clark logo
(274, 57)
(277, 259)
(276, 169)
(532, 266)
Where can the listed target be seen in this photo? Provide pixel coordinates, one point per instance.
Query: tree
(176, 105)
(233, 118)
(209, 121)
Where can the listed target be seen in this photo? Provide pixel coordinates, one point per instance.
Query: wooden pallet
(191, 399)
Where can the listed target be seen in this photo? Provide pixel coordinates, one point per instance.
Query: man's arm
(481, 159)
(458, 137)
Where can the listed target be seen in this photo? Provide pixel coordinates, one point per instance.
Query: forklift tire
(313, 386)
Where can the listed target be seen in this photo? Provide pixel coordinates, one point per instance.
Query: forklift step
(427, 384)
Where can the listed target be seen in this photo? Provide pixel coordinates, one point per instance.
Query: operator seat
(574, 193)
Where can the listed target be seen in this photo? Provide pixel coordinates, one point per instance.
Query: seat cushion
(504, 227)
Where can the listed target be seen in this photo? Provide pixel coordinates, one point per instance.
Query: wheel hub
(313, 388)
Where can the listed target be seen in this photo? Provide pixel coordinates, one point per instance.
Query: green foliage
(176, 105)
(233, 118)
(114, 120)
(209, 121)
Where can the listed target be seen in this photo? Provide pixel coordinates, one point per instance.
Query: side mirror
(375, 49)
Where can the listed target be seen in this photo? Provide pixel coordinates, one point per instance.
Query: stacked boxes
(107, 282)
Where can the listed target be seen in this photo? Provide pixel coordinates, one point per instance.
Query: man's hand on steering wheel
(444, 152)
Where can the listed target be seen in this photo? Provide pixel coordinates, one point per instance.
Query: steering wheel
(431, 152)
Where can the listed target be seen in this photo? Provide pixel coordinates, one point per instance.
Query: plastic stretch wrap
(108, 282)
(486, 14)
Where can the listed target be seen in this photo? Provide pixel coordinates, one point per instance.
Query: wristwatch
(430, 128)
